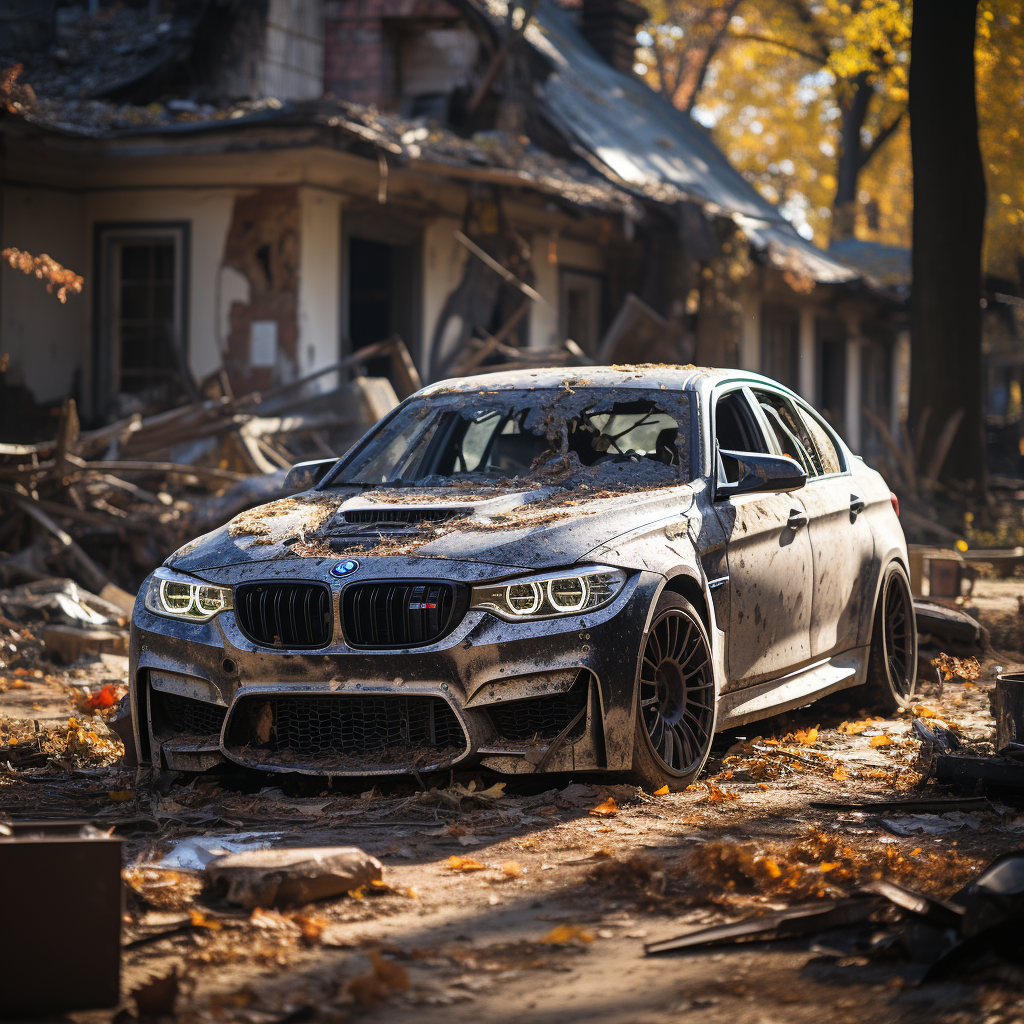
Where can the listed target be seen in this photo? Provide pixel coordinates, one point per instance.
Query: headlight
(561, 593)
(181, 597)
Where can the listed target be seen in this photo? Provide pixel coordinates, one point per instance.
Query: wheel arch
(686, 585)
(902, 561)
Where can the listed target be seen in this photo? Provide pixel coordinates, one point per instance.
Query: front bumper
(517, 697)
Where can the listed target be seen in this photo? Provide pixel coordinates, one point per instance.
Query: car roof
(620, 375)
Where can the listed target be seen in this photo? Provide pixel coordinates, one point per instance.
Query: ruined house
(254, 190)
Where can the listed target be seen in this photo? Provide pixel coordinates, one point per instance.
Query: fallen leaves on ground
(606, 809)
(803, 736)
(815, 866)
(857, 727)
(510, 870)
(563, 933)
(881, 741)
(840, 774)
(455, 863)
(965, 669)
(163, 888)
(377, 984)
(664, 791)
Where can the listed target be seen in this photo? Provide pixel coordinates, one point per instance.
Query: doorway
(383, 287)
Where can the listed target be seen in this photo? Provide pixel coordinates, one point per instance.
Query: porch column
(853, 392)
(808, 353)
(750, 332)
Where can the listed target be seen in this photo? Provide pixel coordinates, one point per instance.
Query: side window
(736, 429)
(828, 453)
(790, 434)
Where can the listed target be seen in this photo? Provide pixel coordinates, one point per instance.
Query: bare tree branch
(880, 139)
(781, 43)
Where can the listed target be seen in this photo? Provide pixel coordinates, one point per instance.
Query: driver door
(769, 558)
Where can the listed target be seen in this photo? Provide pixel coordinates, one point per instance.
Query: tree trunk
(854, 107)
(949, 221)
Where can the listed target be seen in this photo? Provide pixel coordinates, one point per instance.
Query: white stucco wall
(444, 261)
(47, 343)
(319, 279)
(544, 315)
(208, 211)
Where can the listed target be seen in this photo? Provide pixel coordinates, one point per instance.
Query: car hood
(535, 529)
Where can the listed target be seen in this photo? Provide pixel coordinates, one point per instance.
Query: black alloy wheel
(892, 668)
(676, 700)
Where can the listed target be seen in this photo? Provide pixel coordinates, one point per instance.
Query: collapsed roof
(630, 146)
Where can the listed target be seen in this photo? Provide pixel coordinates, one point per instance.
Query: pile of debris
(104, 507)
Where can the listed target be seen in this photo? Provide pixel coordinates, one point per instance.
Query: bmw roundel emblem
(345, 568)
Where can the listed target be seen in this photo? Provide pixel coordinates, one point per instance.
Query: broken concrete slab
(69, 643)
(267, 878)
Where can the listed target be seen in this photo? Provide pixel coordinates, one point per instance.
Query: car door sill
(793, 690)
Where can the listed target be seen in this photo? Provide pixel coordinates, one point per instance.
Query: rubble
(106, 506)
(265, 878)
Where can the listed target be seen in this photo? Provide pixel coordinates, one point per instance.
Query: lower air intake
(184, 716)
(390, 732)
(541, 717)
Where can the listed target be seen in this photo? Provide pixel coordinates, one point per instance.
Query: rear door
(842, 544)
(769, 557)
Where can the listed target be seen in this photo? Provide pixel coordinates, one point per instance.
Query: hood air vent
(403, 516)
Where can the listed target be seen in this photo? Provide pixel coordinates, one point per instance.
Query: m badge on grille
(345, 568)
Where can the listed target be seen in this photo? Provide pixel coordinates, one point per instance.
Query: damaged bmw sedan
(534, 572)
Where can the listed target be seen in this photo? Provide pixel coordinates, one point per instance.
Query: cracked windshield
(637, 435)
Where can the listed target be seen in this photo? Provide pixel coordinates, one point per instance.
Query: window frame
(804, 409)
(758, 421)
(107, 238)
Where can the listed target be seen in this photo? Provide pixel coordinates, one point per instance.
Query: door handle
(797, 518)
(857, 505)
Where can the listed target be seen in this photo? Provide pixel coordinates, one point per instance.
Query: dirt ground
(548, 918)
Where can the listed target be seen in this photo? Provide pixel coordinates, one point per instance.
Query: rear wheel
(892, 665)
(675, 715)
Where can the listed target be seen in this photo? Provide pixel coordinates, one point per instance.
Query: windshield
(605, 436)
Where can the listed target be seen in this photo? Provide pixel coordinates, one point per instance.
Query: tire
(892, 664)
(676, 706)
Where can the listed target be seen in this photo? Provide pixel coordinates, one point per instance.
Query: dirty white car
(534, 572)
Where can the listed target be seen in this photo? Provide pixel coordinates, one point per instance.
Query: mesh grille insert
(400, 614)
(543, 717)
(284, 614)
(379, 729)
(177, 715)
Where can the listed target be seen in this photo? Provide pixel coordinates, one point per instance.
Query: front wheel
(892, 664)
(675, 714)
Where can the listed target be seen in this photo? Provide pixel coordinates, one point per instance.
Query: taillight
(895, 504)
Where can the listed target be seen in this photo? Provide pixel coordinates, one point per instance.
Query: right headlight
(177, 596)
(569, 592)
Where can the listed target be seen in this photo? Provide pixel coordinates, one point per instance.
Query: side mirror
(755, 472)
(304, 475)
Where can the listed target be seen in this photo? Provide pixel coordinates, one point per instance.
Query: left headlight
(570, 592)
(181, 597)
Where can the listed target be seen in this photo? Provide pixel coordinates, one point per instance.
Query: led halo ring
(536, 597)
(558, 604)
(173, 604)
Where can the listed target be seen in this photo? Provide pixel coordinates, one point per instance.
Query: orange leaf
(454, 863)
(661, 792)
(804, 735)
(105, 698)
(840, 774)
(567, 933)
(606, 809)
(881, 741)
(511, 869)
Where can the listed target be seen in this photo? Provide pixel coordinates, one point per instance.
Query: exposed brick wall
(359, 58)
